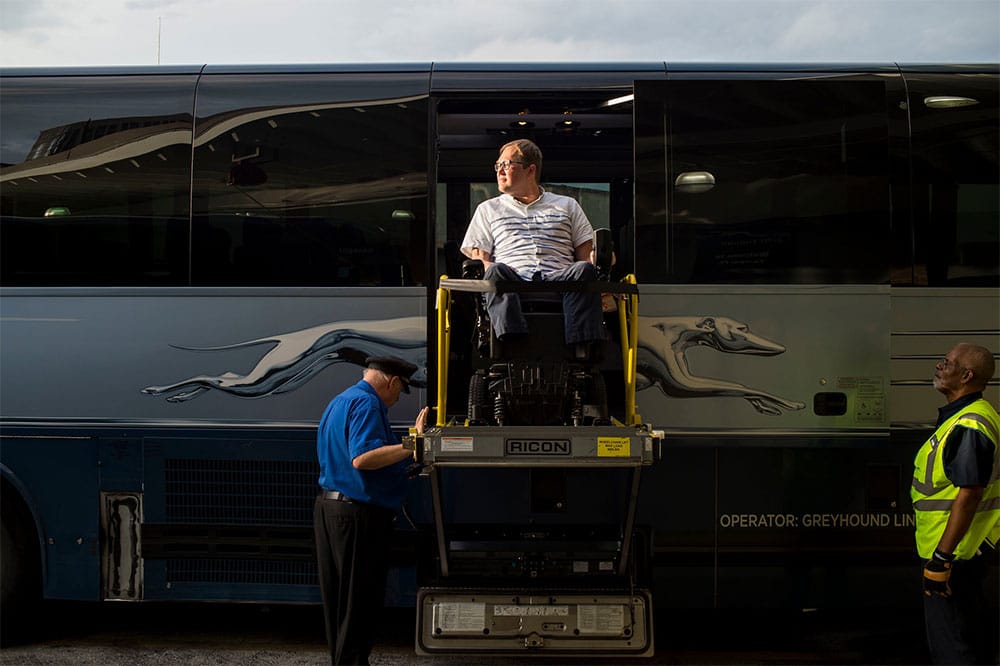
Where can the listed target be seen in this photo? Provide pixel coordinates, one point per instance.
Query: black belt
(338, 496)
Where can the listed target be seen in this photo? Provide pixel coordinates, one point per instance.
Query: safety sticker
(868, 397)
(524, 610)
(460, 616)
(456, 445)
(600, 618)
(614, 447)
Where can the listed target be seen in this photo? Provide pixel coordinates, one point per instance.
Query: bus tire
(20, 580)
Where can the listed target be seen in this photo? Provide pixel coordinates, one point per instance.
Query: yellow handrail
(443, 350)
(628, 320)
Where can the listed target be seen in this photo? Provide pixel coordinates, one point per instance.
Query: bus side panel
(793, 523)
(775, 405)
(785, 517)
(926, 323)
(769, 359)
(67, 519)
(194, 354)
(226, 467)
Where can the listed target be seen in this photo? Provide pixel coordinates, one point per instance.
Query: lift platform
(541, 589)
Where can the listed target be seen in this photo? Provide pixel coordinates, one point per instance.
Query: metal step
(596, 623)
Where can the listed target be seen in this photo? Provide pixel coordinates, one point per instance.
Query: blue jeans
(582, 315)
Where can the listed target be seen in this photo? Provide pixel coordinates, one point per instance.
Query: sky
(147, 32)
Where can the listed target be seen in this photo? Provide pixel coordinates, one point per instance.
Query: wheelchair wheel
(479, 404)
(598, 399)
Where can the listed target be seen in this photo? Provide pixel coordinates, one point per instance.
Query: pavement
(171, 634)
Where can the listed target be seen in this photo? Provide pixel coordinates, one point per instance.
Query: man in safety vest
(956, 504)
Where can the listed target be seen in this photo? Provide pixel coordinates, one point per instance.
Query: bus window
(310, 180)
(95, 175)
(956, 195)
(760, 181)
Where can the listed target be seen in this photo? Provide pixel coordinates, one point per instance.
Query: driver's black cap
(392, 365)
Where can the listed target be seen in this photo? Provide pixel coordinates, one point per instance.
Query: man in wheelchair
(537, 372)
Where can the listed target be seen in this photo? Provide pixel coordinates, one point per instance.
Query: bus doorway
(538, 524)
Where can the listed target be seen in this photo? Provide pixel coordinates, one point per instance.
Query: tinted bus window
(956, 178)
(95, 180)
(763, 182)
(317, 179)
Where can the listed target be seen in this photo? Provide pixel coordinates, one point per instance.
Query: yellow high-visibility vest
(933, 494)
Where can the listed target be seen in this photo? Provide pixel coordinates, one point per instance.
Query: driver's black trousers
(352, 545)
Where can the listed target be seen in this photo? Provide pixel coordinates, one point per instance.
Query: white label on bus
(600, 619)
(521, 610)
(456, 445)
(460, 617)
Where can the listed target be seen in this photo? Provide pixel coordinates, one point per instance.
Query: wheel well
(20, 521)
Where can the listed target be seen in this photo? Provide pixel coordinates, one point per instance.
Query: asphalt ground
(167, 634)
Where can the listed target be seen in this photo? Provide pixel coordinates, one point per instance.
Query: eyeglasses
(505, 165)
(946, 362)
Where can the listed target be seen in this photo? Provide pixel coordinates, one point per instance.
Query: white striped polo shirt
(538, 237)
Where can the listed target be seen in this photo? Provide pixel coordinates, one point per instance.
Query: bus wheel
(20, 583)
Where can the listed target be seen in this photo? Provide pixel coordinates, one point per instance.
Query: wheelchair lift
(547, 590)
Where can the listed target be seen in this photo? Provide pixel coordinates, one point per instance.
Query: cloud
(18, 16)
(64, 32)
(539, 49)
(893, 31)
(149, 5)
(815, 26)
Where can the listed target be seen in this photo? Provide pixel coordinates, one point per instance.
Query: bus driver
(526, 233)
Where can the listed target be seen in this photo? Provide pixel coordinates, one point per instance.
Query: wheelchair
(537, 379)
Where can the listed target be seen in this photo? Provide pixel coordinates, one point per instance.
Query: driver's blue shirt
(354, 422)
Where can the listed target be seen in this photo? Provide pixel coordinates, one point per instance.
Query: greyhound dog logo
(662, 359)
(298, 356)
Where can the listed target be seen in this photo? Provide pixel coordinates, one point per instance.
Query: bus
(195, 259)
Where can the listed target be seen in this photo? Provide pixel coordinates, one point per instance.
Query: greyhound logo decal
(298, 356)
(662, 360)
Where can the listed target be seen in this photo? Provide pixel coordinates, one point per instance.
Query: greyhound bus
(195, 259)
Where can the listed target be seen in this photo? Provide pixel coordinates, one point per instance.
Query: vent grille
(240, 492)
(242, 572)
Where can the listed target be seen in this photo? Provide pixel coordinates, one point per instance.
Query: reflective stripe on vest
(945, 505)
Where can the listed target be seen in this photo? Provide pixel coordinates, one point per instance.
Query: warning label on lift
(603, 619)
(457, 444)
(523, 610)
(460, 616)
(614, 447)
